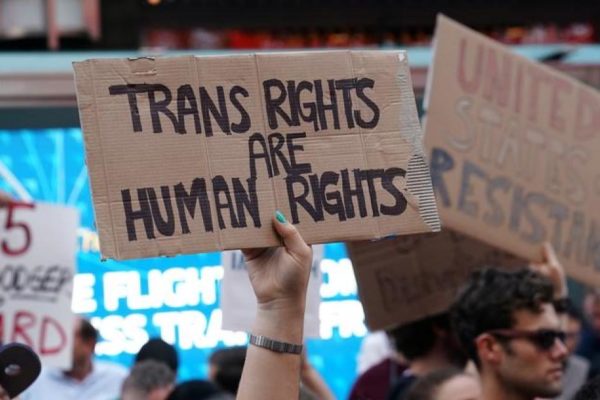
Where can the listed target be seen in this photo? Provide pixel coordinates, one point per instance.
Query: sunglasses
(543, 339)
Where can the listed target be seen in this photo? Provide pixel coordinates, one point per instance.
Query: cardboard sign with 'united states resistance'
(514, 150)
(192, 154)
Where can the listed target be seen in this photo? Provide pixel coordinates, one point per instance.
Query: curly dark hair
(418, 338)
(229, 363)
(426, 387)
(159, 350)
(490, 299)
(87, 331)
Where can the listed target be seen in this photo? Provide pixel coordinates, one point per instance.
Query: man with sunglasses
(508, 324)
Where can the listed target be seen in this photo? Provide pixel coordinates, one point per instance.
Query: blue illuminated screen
(176, 298)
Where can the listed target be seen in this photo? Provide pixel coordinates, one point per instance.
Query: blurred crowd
(510, 334)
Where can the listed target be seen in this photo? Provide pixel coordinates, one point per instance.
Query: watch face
(19, 368)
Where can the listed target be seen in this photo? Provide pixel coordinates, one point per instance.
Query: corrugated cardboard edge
(418, 178)
(84, 81)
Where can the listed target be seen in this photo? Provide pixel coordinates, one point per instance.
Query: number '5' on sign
(15, 236)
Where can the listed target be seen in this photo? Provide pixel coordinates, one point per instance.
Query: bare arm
(279, 277)
(313, 381)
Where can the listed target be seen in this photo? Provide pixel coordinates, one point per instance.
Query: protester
(148, 380)
(445, 384)
(589, 345)
(159, 350)
(87, 379)
(279, 278)
(428, 345)
(375, 348)
(577, 366)
(376, 382)
(225, 368)
(197, 389)
(509, 326)
(312, 383)
(589, 391)
(377, 371)
(423, 346)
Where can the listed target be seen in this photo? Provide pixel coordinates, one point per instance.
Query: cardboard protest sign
(37, 263)
(512, 147)
(238, 302)
(404, 279)
(192, 154)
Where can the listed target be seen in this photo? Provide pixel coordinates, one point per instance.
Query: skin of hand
(553, 269)
(279, 278)
(279, 275)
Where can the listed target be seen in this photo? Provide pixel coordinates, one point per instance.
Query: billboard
(164, 296)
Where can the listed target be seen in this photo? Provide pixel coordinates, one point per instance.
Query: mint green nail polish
(280, 217)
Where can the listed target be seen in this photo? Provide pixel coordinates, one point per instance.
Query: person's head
(573, 328)
(507, 323)
(445, 384)
(226, 367)
(589, 391)
(426, 337)
(159, 350)
(196, 389)
(148, 380)
(592, 309)
(84, 342)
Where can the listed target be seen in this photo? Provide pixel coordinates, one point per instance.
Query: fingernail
(280, 217)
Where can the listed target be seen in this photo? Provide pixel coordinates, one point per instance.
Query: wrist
(288, 307)
(280, 321)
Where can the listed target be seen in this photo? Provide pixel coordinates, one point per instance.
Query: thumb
(290, 235)
(550, 255)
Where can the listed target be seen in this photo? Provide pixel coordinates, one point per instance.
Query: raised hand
(553, 270)
(279, 275)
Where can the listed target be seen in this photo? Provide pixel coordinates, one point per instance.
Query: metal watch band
(275, 345)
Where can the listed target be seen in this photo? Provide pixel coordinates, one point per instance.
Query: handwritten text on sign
(513, 151)
(402, 280)
(37, 264)
(195, 154)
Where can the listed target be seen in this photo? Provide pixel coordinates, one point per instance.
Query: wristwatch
(275, 345)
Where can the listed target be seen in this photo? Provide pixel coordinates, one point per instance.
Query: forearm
(268, 374)
(313, 381)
